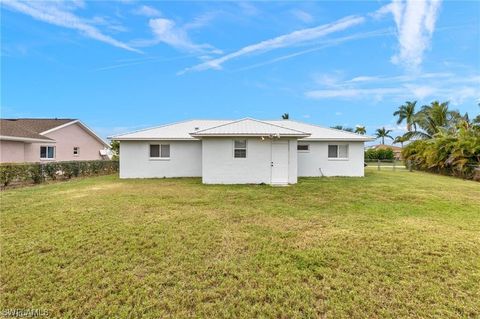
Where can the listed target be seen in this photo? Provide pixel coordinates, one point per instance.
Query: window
(160, 151)
(303, 147)
(76, 151)
(240, 149)
(338, 151)
(47, 152)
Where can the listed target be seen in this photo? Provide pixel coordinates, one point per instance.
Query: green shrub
(50, 170)
(455, 154)
(37, 173)
(380, 154)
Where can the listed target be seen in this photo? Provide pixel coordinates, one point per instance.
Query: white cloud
(302, 16)
(248, 8)
(59, 14)
(200, 21)
(421, 91)
(286, 40)
(168, 32)
(147, 11)
(424, 87)
(351, 92)
(415, 21)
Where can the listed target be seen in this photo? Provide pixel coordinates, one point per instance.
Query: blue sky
(124, 65)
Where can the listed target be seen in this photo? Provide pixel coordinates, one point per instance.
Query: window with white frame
(47, 152)
(160, 151)
(303, 147)
(240, 149)
(338, 151)
(76, 151)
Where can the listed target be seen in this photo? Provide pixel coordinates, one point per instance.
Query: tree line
(440, 139)
(437, 138)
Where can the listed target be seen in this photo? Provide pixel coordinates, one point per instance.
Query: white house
(241, 151)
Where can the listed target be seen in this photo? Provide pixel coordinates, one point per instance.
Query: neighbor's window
(76, 150)
(159, 150)
(337, 151)
(303, 147)
(47, 152)
(240, 149)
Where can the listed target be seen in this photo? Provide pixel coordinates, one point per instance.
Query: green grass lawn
(390, 245)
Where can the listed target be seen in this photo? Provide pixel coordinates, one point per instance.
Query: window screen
(303, 147)
(343, 151)
(165, 150)
(332, 151)
(337, 151)
(154, 150)
(240, 149)
(47, 152)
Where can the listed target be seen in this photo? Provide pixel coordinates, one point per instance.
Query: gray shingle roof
(29, 128)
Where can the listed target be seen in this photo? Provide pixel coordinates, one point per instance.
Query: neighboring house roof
(13, 130)
(384, 147)
(249, 127)
(34, 129)
(188, 130)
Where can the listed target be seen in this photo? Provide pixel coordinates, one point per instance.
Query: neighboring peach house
(397, 151)
(43, 140)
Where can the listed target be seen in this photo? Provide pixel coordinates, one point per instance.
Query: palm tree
(360, 130)
(434, 118)
(382, 133)
(285, 116)
(407, 113)
(400, 139)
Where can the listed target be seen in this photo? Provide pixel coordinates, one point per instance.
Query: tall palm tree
(407, 113)
(434, 118)
(285, 116)
(382, 133)
(360, 130)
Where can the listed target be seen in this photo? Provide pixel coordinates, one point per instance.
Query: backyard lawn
(392, 244)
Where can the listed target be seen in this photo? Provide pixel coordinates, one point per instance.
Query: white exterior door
(279, 162)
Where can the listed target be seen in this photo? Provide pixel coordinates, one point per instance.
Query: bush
(380, 154)
(450, 154)
(26, 173)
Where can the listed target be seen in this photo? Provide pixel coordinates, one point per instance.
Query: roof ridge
(251, 119)
(216, 126)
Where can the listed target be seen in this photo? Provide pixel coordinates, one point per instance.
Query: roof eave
(25, 139)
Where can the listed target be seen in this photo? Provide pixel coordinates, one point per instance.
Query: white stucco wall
(220, 167)
(309, 163)
(185, 160)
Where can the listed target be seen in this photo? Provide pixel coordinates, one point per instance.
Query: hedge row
(381, 154)
(36, 173)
